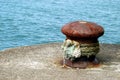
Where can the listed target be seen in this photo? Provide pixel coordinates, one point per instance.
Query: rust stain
(77, 64)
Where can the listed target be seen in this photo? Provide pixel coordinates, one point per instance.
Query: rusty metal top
(82, 29)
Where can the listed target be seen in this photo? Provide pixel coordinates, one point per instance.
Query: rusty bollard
(81, 44)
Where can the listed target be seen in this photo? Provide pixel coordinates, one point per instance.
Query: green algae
(73, 49)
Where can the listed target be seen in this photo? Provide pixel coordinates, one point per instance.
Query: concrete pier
(42, 62)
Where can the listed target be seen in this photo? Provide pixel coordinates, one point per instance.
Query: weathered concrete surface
(41, 62)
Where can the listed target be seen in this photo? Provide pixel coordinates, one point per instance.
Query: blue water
(30, 22)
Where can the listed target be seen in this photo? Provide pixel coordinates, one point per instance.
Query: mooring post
(81, 44)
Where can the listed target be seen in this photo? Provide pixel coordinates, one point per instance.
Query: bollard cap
(82, 29)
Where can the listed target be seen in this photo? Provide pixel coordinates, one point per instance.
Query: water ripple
(39, 21)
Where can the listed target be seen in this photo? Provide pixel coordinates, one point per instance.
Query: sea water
(30, 22)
